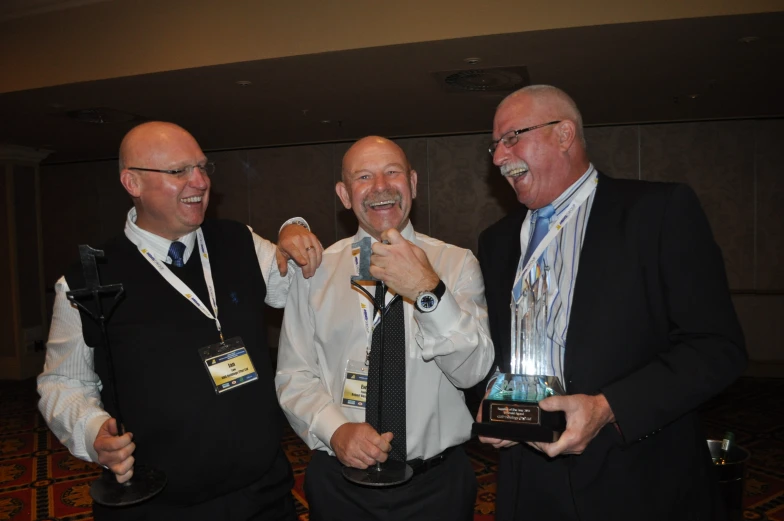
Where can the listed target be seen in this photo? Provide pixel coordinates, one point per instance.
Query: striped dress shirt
(562, 257)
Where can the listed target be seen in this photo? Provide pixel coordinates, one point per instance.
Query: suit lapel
(604, 217)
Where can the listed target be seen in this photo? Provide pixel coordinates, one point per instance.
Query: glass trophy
(511, 409)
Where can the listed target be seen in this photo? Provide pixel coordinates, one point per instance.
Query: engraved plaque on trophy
(511, 409)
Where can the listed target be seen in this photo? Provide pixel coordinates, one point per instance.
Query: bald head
(146, 142)
(551, 101)
(371, 145)
(378, 184)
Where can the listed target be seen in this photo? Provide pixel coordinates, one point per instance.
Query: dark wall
(730, 164)
(26, 234)
(7, 322)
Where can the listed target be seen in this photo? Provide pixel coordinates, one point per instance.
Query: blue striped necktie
(176, 252)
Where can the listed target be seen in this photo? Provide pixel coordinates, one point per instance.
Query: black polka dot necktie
(386, 397)
(176, 252)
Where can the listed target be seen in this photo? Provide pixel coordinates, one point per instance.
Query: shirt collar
(159, 246)
(563, 201)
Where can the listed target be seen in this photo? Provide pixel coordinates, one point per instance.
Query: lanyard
(367, 311)
(580, 197)
(181, 287)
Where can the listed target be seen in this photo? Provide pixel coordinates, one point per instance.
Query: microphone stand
(391, 472)
(146, 481)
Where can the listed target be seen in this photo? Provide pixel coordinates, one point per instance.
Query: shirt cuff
(327, 422)
(91, 429)
(295, 220)
(437, 323)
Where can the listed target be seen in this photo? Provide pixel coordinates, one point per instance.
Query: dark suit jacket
(653, 328)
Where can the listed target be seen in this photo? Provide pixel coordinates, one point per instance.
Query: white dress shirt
(69, 387)
(446, 349)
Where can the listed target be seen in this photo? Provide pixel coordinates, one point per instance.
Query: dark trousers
(549, 480)
(260, 501)
(446, 492)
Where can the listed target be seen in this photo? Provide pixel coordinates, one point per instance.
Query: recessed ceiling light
(326, 121)
(243, 83)
(472, 61)
(748, 39)
(694, 96)
(504, 79)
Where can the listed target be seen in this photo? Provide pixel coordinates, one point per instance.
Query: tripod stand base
(390, 473)
(145, 483)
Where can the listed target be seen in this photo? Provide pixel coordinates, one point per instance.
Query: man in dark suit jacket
(651, 332)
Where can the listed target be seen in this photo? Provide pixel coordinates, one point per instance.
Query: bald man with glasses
(639, 325)
(218, 442)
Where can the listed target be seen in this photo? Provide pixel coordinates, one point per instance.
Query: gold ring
(309, 248)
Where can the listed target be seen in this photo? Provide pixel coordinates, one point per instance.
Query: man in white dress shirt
(326, 346)
(181, 422)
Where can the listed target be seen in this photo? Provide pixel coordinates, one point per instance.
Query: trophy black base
(519, 421)
(145, 483)
(388, 474)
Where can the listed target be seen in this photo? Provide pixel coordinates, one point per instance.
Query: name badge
(228, 364)
(355, 385)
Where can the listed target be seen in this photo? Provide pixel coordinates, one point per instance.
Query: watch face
(427, 302)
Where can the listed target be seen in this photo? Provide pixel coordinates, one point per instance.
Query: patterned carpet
(39, 480)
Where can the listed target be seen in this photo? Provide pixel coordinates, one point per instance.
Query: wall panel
(717, 160)
(732, 165)
(467, 192)
(7, 323)
(769, 216)
(615, 150)
(291, 181)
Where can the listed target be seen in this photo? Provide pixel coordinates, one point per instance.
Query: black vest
(207, 444)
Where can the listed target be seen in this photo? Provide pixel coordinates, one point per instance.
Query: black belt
(420, 466)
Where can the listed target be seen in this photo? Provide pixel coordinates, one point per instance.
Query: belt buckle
(420, 465)
(417, 465)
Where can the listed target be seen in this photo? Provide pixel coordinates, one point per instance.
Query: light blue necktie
(176, 252)
(541, 227)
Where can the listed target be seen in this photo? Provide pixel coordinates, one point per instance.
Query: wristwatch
(427, 301)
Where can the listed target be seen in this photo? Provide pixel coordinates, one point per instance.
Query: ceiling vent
(101, 115)
(497, 79)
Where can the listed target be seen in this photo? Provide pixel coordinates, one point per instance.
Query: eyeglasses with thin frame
(206, 169)
(512, 139)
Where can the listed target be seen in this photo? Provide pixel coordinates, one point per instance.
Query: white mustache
(514, 169)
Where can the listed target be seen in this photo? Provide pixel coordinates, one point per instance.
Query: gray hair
(555, 98)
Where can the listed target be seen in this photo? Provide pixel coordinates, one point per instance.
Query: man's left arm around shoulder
(455, 334)
(297, 246)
